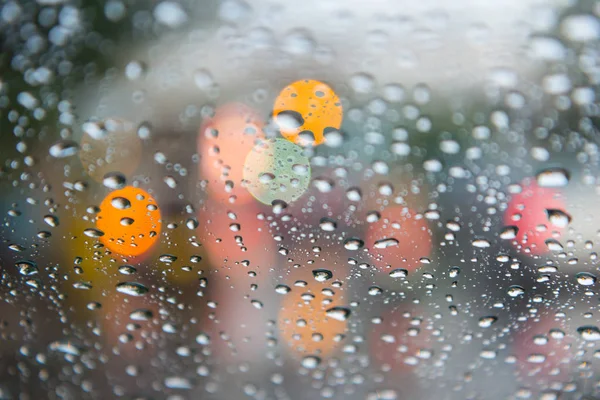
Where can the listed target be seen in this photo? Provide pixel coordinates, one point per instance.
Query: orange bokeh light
(412, 234)
(307, 106)
(130, 220)
(303, 323)
(223, 143)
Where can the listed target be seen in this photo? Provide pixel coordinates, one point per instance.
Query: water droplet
(385, 243)
(178, 382)
(311, 362)
(399, 273)
(400, 148)
(282, 289)
(509, 232)
(385, 189)
(141, 314)
(540, 340)
(65, 347)
(433, 166)
(536, 358)
(63, 149)
(488, 354)
(167, 258)
(170, 13)
(354, 194)
(581, 27)
(515, 291)
(322, 275)
(120, 203)
(554, 245)
(454, 272)
(338, 313)
(82, 285)
(35, 283)
(553, 177)
(481, 243)
(144, 130)
(362, 83)
(393, 92)
(93, 233)
(192, 223)
(375, 290)
(114, 180)
(289, 120)
(278, 206)
(95, 129)
(300, 169)
(204, 79)
(127, 269)
(51, 220)
(547, 48)
(327, 224)
(486, 322)
(266, 177)
(585, 279)
(132, 288)
(449, 147)
(589, 333)
(16, 247)
(133, 71)
(27, 268)
(203, 339)
(380, 167)
(556, 84)
(126, 221)
(558, 218)
(170, 181)
(373, 216)
(257, 304)
(353, 244)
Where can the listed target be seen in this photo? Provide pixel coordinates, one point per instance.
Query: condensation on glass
(233, 199)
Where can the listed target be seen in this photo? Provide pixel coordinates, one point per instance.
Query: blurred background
(276, 200)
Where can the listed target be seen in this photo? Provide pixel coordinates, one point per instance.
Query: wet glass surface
(275, 200)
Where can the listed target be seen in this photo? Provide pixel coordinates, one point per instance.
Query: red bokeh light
(529, 212)
(411, 232)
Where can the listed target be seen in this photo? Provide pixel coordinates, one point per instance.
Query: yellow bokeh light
(130, 221)
(305, 110)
